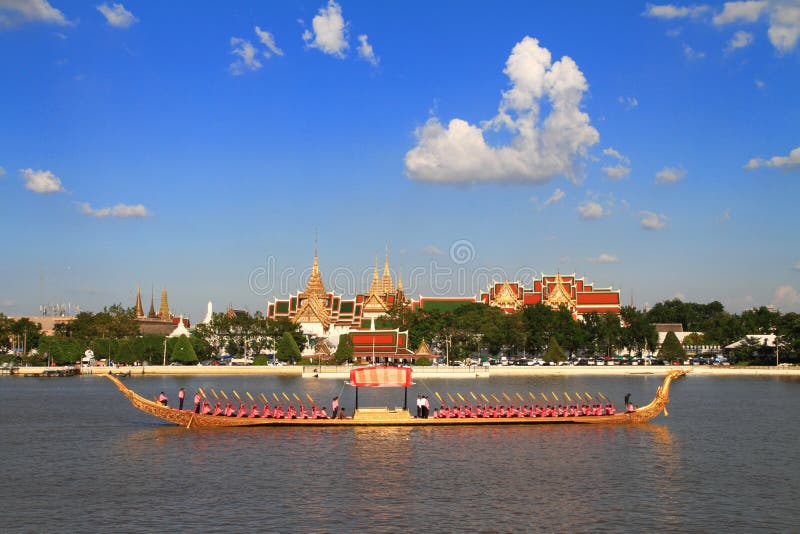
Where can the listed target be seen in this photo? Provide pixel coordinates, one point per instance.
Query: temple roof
(314, 285)
(423, 349)
(139, 310)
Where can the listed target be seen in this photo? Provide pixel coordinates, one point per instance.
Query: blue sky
(197, 146)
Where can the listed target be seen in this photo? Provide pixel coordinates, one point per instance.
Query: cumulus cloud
(116, 15)
(605, 258)
(540, 147)
(784, 29)
(790, 162)
(247, 60)
(652, 221)
(268, 40)
(591, 210)
(18, 12)
(430, 250)
(41, 181)
(740, 39)
(621, 169)
(670, 175)
(329, 33)
(748, 11)
(629, 102)
(670, 11)
(120, 210)
(691, 53)
(366, 52)
(787, 296)
(556, 197)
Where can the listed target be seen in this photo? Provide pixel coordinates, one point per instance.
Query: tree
(288, 351)
(671, 349)
(344, 351)
(554, 352)
(182, 352)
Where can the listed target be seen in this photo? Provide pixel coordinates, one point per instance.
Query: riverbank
(342, 372)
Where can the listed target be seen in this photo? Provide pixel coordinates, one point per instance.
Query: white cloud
(740, 39)
(605, 258)
(41, 181)
(670, 175)
(430, 250)
(629, 102)
(366, 52)
(268, 40)
(120, 210)
(330, 31)
(760, 84)
(786, 295)
(652, 221)
(556, 197)
(691, 53)
(591, 210)
(669, 11)
(116, 15)
(619, 171)
(17, 12)
(748, 11)
(247, 56)
(790, 162)
(784, 29)
(540, 147)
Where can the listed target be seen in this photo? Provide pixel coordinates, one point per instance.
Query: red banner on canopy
(381, 377)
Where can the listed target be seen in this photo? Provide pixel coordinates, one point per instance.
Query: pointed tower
(163, 310)
(374, 303)
(388, 285)
(139, 310)
(314, 286)
(151, 314)
(377, 285)
(401, 293)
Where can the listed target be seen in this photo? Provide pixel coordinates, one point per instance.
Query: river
(77, 457)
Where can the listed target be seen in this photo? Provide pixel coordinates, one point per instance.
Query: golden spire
(163, 310)
(152, 313)
(377, 287)
(400, 288)
(388, 285)
(139, 310)
(314, 285)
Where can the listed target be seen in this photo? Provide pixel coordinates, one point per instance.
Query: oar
(277, 400)
(297, 398)
(250, 396)
(451, 399)
(506, 397)
(494, 398)
(224, 396)
(532, 396)
(567, 396)
(579, 397)
(603, 396)
(264, 398)
(555, 396)
(439, 397)
(520, 397)
(473, 396)
(310, 399)
(588, 396)
(285, 396)
(544, 396)
(237, 396)
(485, 399)
(215, 394)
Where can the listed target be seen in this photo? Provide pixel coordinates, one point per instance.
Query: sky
(200, 147)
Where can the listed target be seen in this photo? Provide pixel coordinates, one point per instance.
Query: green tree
(554, 352)
(183, 352)
(344, 351)
(261, 359)
(671, 349)
(288, 351)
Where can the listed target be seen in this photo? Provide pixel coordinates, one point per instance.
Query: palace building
(324, 315)
(161, 323)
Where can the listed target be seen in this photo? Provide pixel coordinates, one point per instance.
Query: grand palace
(324, 315)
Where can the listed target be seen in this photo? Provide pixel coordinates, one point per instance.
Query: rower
(242, 410)
(217, 409)
(163, 399)
(229, 412)
(206, 408)
(254, 411)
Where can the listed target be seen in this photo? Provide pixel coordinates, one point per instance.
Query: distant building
(162, 323)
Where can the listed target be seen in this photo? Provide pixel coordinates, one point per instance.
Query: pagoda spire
(377, 287)
(163, 310)
(314, 285)
(388, 285)
(152, 313)
(139, 310)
